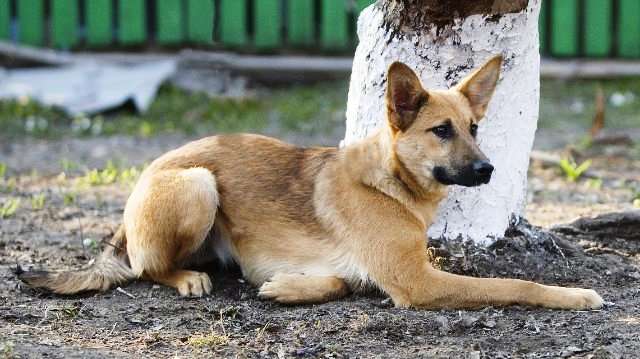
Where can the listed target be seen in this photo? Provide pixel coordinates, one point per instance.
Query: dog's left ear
(405, 96)
(479, 86)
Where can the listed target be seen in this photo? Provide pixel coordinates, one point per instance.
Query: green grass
(311, 109)
(571, 104)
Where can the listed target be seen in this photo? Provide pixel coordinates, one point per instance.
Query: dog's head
(434, 131)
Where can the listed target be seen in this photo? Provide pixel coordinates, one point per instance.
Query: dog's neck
(373, 162)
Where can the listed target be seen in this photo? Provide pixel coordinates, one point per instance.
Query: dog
(310, 225)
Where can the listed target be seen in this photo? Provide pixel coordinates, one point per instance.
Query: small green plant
(9, 207)
(71, 311)
(129, 175)
(594, 183)
(3, 170)
(6, 350)
(37, 201)
(209, 340)
(69, 198)
(110, 174)
(572, 170)
(91, 244)
(68, 165)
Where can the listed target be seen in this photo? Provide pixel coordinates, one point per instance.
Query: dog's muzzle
(474, 174)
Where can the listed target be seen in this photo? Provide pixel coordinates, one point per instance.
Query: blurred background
(97, 88)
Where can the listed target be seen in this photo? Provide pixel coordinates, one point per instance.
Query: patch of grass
(71, 311)
(570, 104)
(109, 175)
(37, 201)
(573, 171)
(69, 198)
(68, 165)
(210, 340)
(7, 350)
(299, 108)
(9, 207)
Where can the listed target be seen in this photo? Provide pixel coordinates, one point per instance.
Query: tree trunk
(443, 40)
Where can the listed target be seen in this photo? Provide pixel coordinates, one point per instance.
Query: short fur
(311, 224)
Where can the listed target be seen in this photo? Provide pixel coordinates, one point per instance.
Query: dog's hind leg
(168, 218)
(301, 288)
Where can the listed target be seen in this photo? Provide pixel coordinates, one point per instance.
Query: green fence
(568, 28)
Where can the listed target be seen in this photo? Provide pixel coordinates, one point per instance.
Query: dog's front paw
(576, 299)
(587, 299)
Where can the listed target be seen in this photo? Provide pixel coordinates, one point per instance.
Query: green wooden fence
(568, 28)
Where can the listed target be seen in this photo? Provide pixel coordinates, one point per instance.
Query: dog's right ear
(405, 96)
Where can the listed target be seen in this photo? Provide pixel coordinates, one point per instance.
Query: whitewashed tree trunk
(442, 53)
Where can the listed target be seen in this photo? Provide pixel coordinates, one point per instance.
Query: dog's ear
(478, 87)
(405, 96)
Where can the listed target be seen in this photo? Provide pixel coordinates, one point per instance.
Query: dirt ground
(145, 320)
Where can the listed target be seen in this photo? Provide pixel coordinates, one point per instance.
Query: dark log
(624, 225)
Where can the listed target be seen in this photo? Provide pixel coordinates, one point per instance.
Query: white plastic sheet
(88, 87)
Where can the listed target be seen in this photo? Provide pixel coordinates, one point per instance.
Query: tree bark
(443, 40)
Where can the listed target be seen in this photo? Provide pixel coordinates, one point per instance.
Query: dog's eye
(474, 129)
(443, 131)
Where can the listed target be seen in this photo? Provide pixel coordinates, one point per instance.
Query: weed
(69, 198)
(71, 311)
(594, 183)
(9, 207)
(572, 170)
(37, 201)
(8, 185)
(6, 350)
(129, 175)
(91, 244)
(68, 165)
(3, 170)
(209, 340)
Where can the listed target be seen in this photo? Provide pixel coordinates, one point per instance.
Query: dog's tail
(109, 269)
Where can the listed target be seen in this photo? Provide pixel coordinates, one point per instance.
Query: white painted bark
(505, 135)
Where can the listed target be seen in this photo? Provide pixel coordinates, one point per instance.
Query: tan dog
(310, 224)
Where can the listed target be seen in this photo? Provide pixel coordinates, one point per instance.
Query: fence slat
(361, 4)
(200, 21)
(597, 31)
(267, 21)
(334, 24)
(300, 23)
(31, 21)
(564, 26)
(98, 17)
(64, 23)
(4, 19)
(132, 22)
(542, 27)
(233, 22)
(169, 20)
(629, 28)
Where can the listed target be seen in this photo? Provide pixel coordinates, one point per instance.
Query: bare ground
(146, 320)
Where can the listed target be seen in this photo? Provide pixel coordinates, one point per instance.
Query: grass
(37, 201)
(9, 207)
(109, 175)
(572, 170)
(570, 104)
(312, 109)
(209, 340)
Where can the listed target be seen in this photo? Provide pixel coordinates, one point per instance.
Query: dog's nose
(482, 169)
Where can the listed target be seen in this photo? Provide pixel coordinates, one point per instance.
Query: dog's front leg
(403, 271)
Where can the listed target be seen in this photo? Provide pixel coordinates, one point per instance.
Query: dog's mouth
(472, 175)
